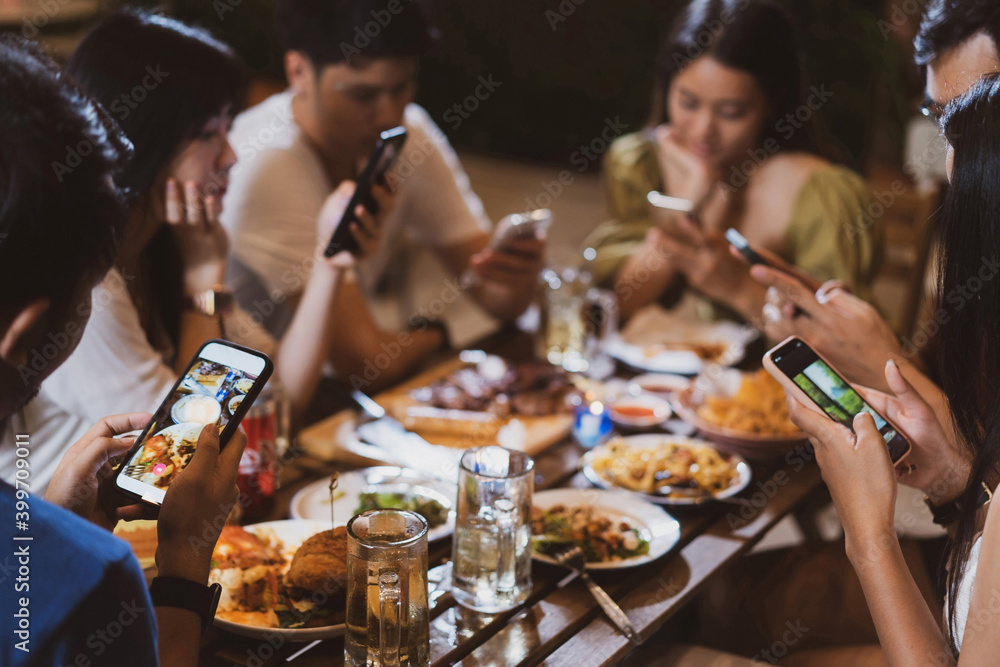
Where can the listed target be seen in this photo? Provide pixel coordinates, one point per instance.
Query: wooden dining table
(560, 624)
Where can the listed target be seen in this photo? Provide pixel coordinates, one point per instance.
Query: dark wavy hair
(948, 23)
(969, 349)
(162, 80)
(61, 210)
(753, 36)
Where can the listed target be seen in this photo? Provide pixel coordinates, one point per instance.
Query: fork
(573, 558)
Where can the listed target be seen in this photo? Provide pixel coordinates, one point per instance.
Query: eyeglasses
(932, 110)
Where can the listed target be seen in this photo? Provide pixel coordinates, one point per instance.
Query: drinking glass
(576, 318)
(492, 548)
(387, 618)
(266, 427)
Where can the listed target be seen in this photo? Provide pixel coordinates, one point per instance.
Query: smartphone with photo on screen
(218, 387)
(815, 384)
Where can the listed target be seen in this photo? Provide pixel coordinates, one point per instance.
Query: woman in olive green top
(734, 139)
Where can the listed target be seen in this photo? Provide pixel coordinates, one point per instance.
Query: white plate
(744, 474)
(313, 501)
(683, 362)
(180, 408)
(653, 523)
(292, 534)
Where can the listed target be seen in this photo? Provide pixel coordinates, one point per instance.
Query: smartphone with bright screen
(830, 392)
(218, 387)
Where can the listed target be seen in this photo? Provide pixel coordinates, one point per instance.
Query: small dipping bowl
(663, 385)
(636, 412)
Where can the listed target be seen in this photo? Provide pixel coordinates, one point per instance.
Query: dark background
(561, 78)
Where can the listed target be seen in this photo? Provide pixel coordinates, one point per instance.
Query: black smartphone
(739, 242)
(219, 386)
(387, 149)
(812, 380)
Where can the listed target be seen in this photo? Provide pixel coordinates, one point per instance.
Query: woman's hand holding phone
(859, 474)
(842, 327)
(201, 238)
(937, 464)
(705, 260)
(196, 506)
(83, 482)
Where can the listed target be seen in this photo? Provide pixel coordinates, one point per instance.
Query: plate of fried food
(165, 454)
(667, 469)
(285, 578)
(658, 341)
(744, 413)
(613, 529)
(380, 487)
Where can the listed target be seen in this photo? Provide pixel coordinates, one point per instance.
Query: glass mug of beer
(388, 624)
(491, 556)
(576, 318)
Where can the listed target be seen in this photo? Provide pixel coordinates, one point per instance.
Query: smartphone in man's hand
(219, 386)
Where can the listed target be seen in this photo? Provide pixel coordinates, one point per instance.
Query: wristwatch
(948, 513)
(186, 594)
(217, 301)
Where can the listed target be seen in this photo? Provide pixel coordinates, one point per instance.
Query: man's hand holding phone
(515, 265)
(83, 482)
(365, 229)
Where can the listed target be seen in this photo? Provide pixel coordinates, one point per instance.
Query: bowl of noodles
(667, 469)
(742, 413)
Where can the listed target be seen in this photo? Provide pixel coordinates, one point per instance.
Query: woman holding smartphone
(733, 135)
(173, 90)
(857, 469)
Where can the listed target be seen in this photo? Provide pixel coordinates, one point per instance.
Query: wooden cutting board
(325, 439)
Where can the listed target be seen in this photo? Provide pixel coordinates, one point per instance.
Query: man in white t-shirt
(352, 69)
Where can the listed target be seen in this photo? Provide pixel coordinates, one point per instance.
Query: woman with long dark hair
(857, 468)
(733, 132)
(173, 89)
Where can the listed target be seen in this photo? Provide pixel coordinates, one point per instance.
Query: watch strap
(948, 513)
(186, 594)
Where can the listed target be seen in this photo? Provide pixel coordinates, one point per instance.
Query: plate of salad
(380, 487)
(614, 529)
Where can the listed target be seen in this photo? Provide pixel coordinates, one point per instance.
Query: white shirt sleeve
(270, 211)
(114, 369)
(435, 195)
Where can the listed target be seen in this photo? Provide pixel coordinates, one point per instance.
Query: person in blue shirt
(70, 592)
